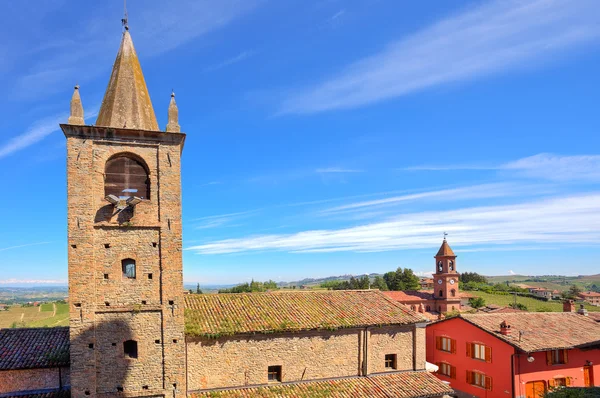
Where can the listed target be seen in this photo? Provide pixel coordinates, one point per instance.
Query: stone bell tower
(124, 227)
(445, 278)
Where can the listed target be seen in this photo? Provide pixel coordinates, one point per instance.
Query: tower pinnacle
(173, 123)
(76, 116)
(127, 103)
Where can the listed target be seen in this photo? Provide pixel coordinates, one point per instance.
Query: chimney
(582, 310)
(568, 306)
(421, 308)
(505, 328)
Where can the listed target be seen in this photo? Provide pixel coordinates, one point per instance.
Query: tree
(466, 277)
(572, 293)
(391, 280)
(198, 291)
(379, 283)
(364, 282)
(409, 280)
(476, 302)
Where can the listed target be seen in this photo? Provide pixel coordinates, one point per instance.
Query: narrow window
(441, 293)
(390, 361)
(149, 276)
(453, 293)
(130, 348)
(128, 266)
(274, 374)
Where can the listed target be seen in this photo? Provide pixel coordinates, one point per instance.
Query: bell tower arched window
(126, 176)
(128, 266)
(441, 293)
(453, 293)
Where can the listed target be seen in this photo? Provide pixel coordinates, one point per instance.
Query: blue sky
(325, 137)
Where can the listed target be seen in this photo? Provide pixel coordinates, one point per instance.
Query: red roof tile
(236, 313)
(65, 393)
(445, 250)
(394, 385)
(589, 294)
(410, 295)
(539, 331)
(34, 348)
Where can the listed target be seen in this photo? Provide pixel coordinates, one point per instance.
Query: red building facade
(515, 354)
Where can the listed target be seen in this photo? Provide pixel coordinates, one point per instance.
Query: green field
(41, 316)
(531, 303)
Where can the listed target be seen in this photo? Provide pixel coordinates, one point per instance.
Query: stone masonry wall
(390, 340)
(244, 359)
(33, 379)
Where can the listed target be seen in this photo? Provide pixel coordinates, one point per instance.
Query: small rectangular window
(447, 370)
(479, 351)
(445, 344)
(105, 276)
(149, 276)
(128, 266)
(274, 374)
(556, 357)
(390, 361)
(479, 380)
(130, 348)
(107, 245)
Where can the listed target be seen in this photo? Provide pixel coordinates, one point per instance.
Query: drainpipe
(365, 368)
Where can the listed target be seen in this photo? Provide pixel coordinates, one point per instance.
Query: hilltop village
(133, 332)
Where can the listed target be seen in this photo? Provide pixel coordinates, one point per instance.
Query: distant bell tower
(124, 235)
(445, 278)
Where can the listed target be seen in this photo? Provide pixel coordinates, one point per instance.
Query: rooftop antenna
(124, 20)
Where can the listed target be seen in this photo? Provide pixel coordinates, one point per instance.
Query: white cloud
(222, 220)
(33, 282)
(483, 191)
(40, 130)
(494, 37)
(337, 170)
(556, 167)
(568, 220)
(231, 61)
(511, 272)
(24, 245)
(546, 166)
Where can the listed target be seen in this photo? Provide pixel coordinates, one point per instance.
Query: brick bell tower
(124, 227)
(446, 280)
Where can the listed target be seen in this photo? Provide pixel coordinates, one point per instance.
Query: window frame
(557, 357)
(125, 263)
(274, 374)
(447, 370)
(392, 359)
(478, 379)
(446, 344)
(479, 352)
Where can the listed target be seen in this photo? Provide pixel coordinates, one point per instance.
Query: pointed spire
(76, 116)
(173, 123)
(127, 103)
(445, 250)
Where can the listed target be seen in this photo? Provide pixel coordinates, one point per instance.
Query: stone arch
(126, 175)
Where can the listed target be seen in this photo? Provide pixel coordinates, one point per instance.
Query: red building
(515, 354)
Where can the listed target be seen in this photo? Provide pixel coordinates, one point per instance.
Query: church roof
(33, 348)
(213, 315)
(399, 385)
(445, 250)
(126, 103)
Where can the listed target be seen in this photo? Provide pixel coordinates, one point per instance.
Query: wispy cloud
(337, 170)
(37, 132)
(21, 246)
(568, 220)
(483, 191)
(33, 282)
(222, 220)
(494, 37)
(234, 60)
(545, 166)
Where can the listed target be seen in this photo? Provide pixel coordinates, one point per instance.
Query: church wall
(244, 359)
(33, 379)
